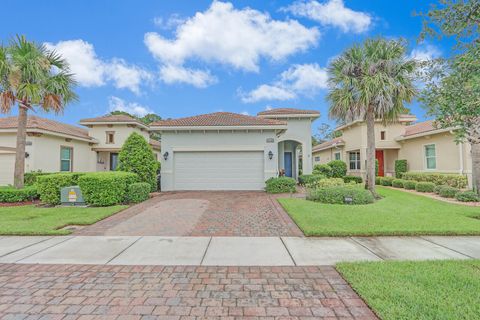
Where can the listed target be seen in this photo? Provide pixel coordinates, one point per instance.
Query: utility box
(71, 196)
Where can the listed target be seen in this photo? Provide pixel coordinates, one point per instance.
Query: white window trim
(335, 155)
(358, 161)
(70, 160)
(425, 166)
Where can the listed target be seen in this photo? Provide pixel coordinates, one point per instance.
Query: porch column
(307, 158)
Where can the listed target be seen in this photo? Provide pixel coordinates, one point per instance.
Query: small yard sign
(72, 196)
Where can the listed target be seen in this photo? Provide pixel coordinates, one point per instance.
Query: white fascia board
(216, 128)
(423, 134)
(105, 123)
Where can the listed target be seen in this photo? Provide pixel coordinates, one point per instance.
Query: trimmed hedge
(138, 192)
(448, 192)
(410, 184)
(467, 196)
(386, 181)
(327, 183)
(280, 185)
(339, 168)
(106, 188)
(10, 194)
(336, 195)
(398, 183)
(323, 169)
(437, 189)
(400, 168)
(425, 186)
(349, 179)
(378, 180)
(306, 179)
(49, 185)
(30, 178)
(450, 179)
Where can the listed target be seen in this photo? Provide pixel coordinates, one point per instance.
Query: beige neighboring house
(426, 148)
(53, 146)
(229, 151)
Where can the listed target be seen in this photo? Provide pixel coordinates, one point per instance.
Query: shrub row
(326, 183)
(384, 181)
(306, 179)
(30, 178)
(338, 194)
(10, 194)
(452, 180)
(350, 179)
(138, 192)
(106, 188)
(425, 186)
(280, 185)
(467, 196)
(49, 185)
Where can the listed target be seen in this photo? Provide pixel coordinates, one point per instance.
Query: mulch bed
(18, 204)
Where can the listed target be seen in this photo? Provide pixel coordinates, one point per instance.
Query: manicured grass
(418, 290)
(398, 213)
(29, 220)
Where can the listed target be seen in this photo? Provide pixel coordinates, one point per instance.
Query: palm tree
(371, 82)
(31, 76)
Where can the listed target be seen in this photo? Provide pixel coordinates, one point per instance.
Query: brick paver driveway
(201, 213)
(132, 292)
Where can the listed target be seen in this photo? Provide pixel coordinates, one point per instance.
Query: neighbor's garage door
(219, 170)
(7, 165)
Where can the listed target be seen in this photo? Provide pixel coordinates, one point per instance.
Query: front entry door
(381, 166)
(287, 158)
(113, 161)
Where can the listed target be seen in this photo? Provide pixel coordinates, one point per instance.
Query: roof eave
(287, 116)
(52, 133)
(423, 134)
(96, 123)
(340, 144)
(217, 128)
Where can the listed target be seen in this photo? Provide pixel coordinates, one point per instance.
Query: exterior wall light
(165, 155)
(270, 155)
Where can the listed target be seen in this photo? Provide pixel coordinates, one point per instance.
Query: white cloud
(245, 113)
(172, 22)
(117, 104)
(268, 108)
(332, 13)
(237, 38)
(91, 71)
(299, 79)
(425, 53)
(177, 74)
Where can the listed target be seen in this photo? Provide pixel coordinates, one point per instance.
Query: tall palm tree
(30, 77)
(371, 82)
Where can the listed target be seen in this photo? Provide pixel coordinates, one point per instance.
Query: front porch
(291, 162)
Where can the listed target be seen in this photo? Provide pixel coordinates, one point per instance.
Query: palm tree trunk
(370, 181)
(476, 166)
(20, 150)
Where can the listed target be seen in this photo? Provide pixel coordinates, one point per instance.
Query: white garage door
(236, 170)
(7, 166)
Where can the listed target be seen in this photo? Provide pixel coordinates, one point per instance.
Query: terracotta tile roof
(111, 118)
(218, 119)
(420, 127)
(34, 122)
(286, 111)
(154, 143)
(327, 144)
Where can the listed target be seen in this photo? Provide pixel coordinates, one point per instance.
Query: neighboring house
(58, 147)
(426, 148)
(229, 151)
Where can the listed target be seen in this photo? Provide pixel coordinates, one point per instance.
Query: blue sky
(181, 58)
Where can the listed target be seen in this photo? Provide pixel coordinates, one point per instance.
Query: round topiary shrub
(398, 183)
(339, 168)
(341, 195)
(387, 181)
(323, 169)
(410, 184)
(425, 187)
(280, 185)
(448, 192)
(138, 192)
(467, 196)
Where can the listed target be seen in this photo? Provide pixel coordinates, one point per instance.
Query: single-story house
(53, 146)
(425, 147)
(229, 151)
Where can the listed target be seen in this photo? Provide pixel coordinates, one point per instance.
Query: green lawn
(29, 220)
(398, 213)
(418, 290)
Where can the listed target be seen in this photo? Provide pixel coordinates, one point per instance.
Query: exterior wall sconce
(165, 155)
(270, 155)
(27, 154)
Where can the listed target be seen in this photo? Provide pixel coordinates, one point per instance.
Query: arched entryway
(289, 160)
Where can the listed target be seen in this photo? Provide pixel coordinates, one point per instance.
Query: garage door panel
(7, 166)
(219, 170)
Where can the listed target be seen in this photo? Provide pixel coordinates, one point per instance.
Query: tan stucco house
(425, 147)
(229, 151)
(53, 146)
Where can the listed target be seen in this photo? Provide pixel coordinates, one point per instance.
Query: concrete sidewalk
(231, 251)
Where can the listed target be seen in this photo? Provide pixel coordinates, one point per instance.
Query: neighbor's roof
(218, 119)
(287, 111)
(118, 118)
(34, 122)
(328, 144)
(420, 127)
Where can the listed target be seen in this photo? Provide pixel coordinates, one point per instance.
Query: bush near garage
(138, 192)
(400, 168)
(106, 188)
(425, 186)
(10, 194)
(398, 183)
(467, 196)
(49, 186)
(306, 179)
(450, 179)
(280, 185)
(448, 192)
(337, 195)
(410, 184)
(137, 156)
(349, 179)
(323, 169)
(30, 178)
(339, 168)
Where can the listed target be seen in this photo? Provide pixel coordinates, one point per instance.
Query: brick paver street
(155, 292)
(200, 213)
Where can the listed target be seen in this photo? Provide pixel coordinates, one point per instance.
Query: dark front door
(381, 163)
(287, 159)
(113, 161)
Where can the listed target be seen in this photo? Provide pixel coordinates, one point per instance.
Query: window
(110, 137)
(337, 156)
(383, 135)
(66, 156)
(354, 160)
(430, 157)
(317, 159)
